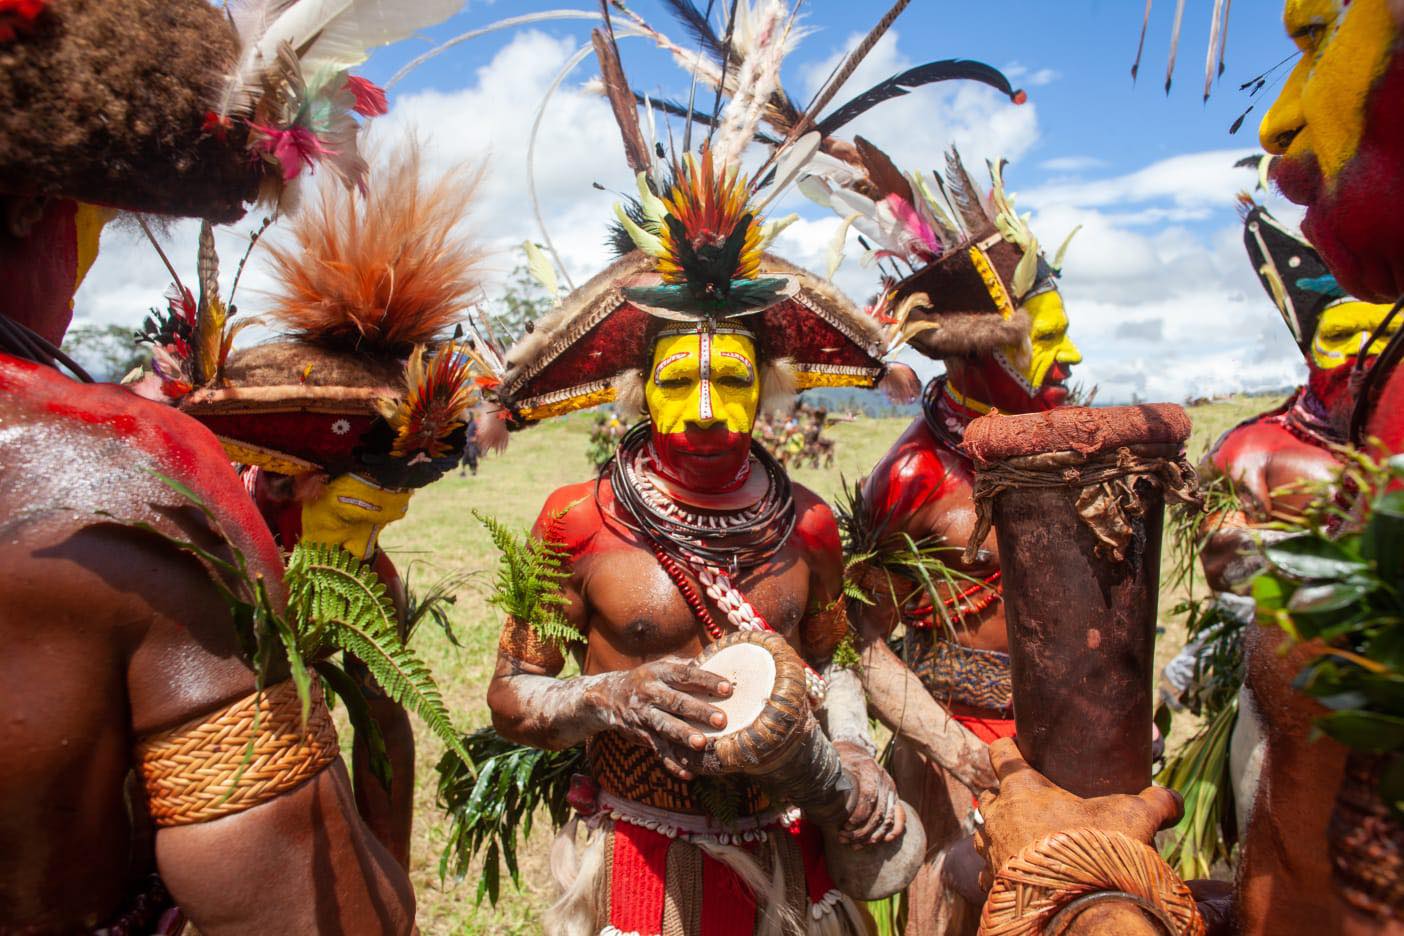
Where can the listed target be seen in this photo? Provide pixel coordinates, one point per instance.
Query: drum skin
(754, 742)
(772, 735)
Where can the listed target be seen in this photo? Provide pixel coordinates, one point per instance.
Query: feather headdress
(368, 378)
(291, 85)
(383, 271)
(1214, 57)
(694, 253)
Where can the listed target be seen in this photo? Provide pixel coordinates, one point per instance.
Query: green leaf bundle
(339, 601)
(493, 796)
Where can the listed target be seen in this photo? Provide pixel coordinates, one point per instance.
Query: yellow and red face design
(350, 512)
(1338, 126)
(702, 391)
(1030, 376)
(1341, 333)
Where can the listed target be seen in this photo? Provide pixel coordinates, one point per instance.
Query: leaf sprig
(493, 797)
(1344, 590)
(530, 573)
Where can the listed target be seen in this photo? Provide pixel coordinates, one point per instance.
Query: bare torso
(927, 490)
(633, 612)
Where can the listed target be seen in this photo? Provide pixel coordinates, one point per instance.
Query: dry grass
(440, 536)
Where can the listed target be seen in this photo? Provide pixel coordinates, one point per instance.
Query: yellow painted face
(1049, 343)
(703, 380)
(1346, 47)
(1343, 330)
(351, 512)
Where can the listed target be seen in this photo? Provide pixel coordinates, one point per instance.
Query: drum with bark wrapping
(1076, 497)
(772, 735)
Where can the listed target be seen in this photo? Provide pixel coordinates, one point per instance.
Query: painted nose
(1069, 354)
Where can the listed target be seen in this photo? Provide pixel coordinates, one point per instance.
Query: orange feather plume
(385, 270)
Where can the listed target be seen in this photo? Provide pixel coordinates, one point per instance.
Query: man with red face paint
(691, 532)
(985, 301)
(1337, 129)
(1271, 458)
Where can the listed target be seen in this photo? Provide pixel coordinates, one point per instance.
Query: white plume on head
(327, 36)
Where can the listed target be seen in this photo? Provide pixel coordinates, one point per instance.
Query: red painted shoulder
(107, 417)
(570, 517)
(815, 526)
(916, 470)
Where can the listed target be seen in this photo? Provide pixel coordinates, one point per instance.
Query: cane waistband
(203, 770)
(628, 770)
(952, 672)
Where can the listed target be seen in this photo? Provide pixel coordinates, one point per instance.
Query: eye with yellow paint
(701, 380)
(1049, 343)
(1320, 110)
(350, 512)
(1344, 328)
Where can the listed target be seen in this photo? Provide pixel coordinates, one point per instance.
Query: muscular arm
(302, 862)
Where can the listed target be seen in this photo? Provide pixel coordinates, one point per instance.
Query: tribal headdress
(974, 266)
(694, 260)
(1291, 272)
(366, 379)
(974, 259)
(179, 107)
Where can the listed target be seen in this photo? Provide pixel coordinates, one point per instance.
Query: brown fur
(383, 271)
(286, 363)
(103, 102)
(969, 332)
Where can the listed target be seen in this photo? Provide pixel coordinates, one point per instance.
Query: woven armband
(193, 773)
(520, 641)
(1046, 886)
(821, 631)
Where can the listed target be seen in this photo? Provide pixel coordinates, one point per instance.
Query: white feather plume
(327, 36)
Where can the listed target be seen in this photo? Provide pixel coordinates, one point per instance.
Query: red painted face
(1332, 387)
(987, 380)
(711, 460)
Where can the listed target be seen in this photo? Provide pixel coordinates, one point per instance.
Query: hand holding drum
(771, 734)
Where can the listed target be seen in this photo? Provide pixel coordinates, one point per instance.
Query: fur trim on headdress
(778, 384)
(103, 102)
(629, 394)
(950, 334)
(381, 271)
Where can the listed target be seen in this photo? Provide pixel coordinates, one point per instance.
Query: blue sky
(1158, 287)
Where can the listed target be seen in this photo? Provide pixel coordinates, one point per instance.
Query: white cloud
(1072, 164)
(1159, 290)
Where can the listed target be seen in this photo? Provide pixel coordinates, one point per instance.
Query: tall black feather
(674, 109)
(930, 73)
(693, 20)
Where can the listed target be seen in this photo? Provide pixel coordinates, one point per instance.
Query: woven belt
(629, 770)
(202, 770)
(952, 672)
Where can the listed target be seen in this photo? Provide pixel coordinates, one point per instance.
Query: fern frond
(336, 598)
(530, 576)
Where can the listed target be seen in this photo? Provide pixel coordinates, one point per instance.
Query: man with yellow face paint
(1271, 457)
(984, 300)
(691, 532)
(340, 421)
(1320, 854)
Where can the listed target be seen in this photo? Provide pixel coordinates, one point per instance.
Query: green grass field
(440, 536)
